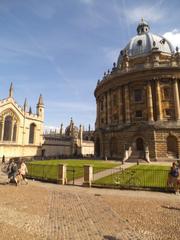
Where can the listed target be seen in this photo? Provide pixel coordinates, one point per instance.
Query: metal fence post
(62, 179)
(88, 175)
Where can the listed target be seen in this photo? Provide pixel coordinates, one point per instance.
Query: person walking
(12, 171)
(3, 159)
(23, 171)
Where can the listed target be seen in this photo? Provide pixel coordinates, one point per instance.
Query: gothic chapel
(21, 131)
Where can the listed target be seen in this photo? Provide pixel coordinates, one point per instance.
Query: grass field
(138, 176)
(48, 169)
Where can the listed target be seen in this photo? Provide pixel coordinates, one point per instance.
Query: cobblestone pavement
(47, 211)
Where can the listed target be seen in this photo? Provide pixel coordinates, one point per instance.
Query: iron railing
(104, 177)
(132, 178)
(45, 172)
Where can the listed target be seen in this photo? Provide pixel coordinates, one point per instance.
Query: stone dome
(144, 42)
(71, 130)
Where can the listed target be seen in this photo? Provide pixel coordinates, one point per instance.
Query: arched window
(92, 139)
(14, 132)
(32, 133)
(7, 128)
(113, 147)
(139, 144)
(172, 146)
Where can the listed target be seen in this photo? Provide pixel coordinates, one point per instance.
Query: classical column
(120, 106)
(127, 104)
(2, 131)
(105, 108)
(176, 99)
(109, 107)
(149, 102)
(158, 101)
(97, 112)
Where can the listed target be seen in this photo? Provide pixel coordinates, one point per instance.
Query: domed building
(138, 109)
(73, 142)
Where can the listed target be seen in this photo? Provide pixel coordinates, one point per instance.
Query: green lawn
(138, 176)
(48, 169)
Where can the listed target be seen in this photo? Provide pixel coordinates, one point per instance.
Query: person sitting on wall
(177, 186)
(172, 176)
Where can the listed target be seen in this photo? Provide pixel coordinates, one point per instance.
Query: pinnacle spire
(61, 129)
(40, 101)
(25, 105)
(11, 90)
(30, 110)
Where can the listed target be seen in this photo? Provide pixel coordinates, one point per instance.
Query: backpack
(175, 172)
(14, 168)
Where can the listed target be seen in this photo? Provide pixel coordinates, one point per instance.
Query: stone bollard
(88, 175)
(62, 179)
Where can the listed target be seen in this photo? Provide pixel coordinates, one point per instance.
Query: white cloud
(173, 37)
(148, 13)
(151, 13)
(51, 128)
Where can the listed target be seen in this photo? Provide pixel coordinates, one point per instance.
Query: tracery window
(14, 132)
(7, 128)
(32, 133)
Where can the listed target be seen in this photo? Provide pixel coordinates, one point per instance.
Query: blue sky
(60, 48)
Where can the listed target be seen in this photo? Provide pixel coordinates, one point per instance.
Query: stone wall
(54, 146)
(10, 151)
(87, 148)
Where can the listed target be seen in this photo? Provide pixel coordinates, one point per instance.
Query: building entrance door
(140, 148)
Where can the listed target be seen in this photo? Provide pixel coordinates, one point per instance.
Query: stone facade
(138, 111)
(21, 131)
(73, 141)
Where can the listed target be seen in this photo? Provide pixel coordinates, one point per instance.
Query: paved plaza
(53, 212)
